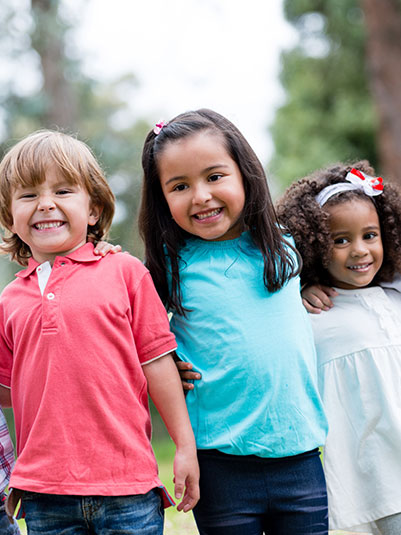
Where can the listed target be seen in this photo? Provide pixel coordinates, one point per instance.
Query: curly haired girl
(347, 227)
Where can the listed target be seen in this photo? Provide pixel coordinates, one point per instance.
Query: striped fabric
(6, 453)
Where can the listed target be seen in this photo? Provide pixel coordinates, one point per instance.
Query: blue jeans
(250, 495)
(5, 527)
(53, 514)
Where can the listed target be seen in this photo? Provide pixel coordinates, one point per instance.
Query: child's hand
(103, 247)
(186, 479)
(316, 298)
(186, 373)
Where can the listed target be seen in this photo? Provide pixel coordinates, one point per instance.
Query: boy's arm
(317, 297)
(165, 389)
(5, 396)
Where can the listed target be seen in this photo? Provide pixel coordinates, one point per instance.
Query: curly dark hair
(308, 222)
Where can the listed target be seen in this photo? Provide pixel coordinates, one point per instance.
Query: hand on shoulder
(317, 297)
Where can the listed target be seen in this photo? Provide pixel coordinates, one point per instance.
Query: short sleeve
(6, 354)
(150, 324)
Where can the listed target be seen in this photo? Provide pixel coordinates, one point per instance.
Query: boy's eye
(63, 191)
(27, 195)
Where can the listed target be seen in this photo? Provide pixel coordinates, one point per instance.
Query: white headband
(356, 181)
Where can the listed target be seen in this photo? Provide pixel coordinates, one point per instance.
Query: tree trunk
(60, 108)
(383, 54)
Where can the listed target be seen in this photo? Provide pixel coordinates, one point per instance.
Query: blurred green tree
(342, 87)
(38, 38)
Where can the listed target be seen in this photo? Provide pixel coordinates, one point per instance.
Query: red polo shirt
(73, 358)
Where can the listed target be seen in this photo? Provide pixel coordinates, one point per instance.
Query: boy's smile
(52, 217)
(358, 250)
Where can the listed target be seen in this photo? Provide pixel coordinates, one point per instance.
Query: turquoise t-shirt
(258, 393)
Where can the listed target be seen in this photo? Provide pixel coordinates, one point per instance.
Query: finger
(190, 498)
(192, 376)
(179, 485)
(181, 365)
(187, 386)
(310, 308)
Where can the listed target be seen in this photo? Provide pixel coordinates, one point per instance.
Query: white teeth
(360, 266)
(52, 224)
(208, 214)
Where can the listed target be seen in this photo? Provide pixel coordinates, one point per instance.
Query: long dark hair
(163, 237)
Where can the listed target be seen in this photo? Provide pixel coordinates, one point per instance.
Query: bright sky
(187, 54)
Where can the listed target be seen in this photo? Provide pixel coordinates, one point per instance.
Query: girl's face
(203, 186)
(358, 249)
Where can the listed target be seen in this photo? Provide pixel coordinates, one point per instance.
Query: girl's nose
(201, 194)
(359, 249)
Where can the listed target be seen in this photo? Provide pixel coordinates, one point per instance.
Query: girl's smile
(203, 186)
(358, 250)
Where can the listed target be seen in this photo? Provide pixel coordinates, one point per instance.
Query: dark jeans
(52, 514)
(249, 495)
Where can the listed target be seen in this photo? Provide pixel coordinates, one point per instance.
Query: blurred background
(308, 82)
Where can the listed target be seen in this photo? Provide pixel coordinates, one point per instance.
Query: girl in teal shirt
(223, 267)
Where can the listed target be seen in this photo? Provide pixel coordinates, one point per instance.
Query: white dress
(359, 356)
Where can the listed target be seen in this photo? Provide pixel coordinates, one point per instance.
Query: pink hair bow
(371, 186)
(158, 128)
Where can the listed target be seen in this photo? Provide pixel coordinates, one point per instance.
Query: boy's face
(52, 217)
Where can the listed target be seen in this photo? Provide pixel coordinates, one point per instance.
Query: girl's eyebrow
(206, 170)
(364, 229)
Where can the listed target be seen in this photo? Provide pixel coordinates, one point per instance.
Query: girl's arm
(316, 298)
(165, 389)
(186, 373)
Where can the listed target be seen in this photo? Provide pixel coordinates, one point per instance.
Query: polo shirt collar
(83, 254)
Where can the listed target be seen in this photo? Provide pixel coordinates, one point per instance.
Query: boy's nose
(46, 204)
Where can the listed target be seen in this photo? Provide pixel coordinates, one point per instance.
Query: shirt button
(50, 296)
(39, 269)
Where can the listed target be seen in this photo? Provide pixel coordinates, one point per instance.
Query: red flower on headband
(371, 185)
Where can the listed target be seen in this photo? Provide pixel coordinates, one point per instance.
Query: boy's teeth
(208, 214)
(53, 224)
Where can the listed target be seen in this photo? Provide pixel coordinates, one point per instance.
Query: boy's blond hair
(26, 163)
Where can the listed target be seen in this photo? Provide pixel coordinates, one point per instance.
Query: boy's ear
(94, 215)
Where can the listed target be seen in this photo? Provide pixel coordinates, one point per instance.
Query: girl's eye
(340, 241)
(370, 235)
(215, 177)
(27, 196)
(180, 187)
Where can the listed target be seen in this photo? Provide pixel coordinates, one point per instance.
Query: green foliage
(100, 114)
(328, 114)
